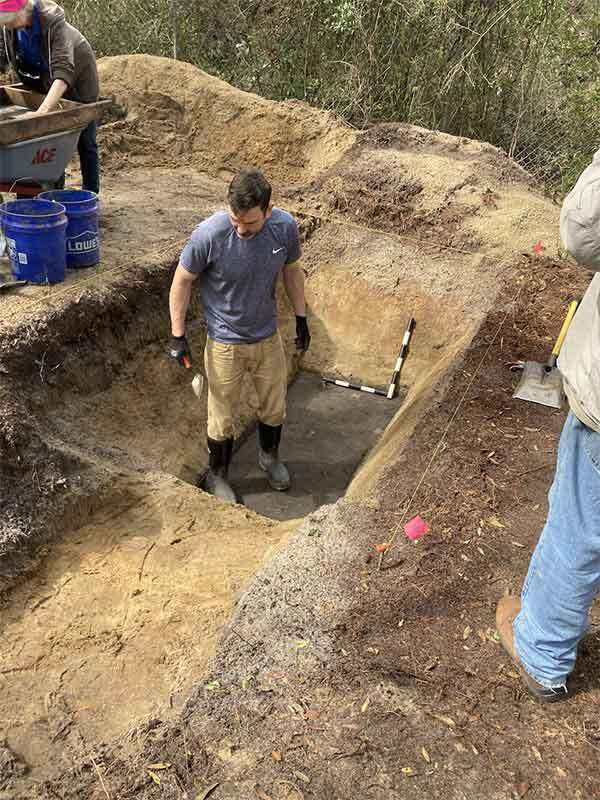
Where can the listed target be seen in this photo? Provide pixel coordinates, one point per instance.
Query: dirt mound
(174, 111)
(430, 187)
(425, 185)
(154, 599)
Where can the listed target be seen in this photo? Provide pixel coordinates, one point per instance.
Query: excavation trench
(118, 573)
(119, 621)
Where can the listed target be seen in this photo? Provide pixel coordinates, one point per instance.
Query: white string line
(404, 515)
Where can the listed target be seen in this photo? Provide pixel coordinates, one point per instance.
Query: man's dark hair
(248, 190)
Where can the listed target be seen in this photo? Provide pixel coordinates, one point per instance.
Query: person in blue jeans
(542, 629)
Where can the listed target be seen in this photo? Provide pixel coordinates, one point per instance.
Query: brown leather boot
(506, 613)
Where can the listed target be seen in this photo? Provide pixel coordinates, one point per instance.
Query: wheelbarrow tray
(68, 117)
(37, 161)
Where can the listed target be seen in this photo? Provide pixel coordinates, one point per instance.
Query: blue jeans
(564, 572)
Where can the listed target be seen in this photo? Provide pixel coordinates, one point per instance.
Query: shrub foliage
(522, 74)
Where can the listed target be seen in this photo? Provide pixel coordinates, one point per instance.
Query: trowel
(6, 286)
(542, 383)
(197, 380)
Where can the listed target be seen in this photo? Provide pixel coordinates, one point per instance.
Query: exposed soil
(329, 431)
(156, 643)
(176, 111)
(333, 678)
(109, 619)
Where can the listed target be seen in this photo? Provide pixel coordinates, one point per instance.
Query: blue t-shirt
(238, 277)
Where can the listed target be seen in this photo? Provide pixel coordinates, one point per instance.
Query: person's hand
(179, 350)
(302, 334)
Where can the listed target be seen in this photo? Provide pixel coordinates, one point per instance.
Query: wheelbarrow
(34, 151)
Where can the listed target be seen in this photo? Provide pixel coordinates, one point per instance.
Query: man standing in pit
(237, 254)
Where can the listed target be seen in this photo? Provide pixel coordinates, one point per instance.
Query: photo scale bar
(356, 386)
(389, 394)
(401, 357)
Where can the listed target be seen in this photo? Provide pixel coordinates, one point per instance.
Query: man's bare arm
(179, 299)
(293, 281)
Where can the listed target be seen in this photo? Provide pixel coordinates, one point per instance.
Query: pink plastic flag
(416, 528)
(537, 248)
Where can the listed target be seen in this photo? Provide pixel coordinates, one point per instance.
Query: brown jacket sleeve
(61, 51)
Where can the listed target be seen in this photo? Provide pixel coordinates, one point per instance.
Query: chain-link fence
(523, 75)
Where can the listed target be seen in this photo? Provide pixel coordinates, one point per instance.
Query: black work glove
(302, 334)
(179, 349)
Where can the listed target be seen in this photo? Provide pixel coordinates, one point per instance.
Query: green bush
(523, 75)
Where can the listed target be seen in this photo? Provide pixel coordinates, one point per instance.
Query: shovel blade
(542, 385)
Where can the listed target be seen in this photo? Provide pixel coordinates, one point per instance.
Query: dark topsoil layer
(334, 680)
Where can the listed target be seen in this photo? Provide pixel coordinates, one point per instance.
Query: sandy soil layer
(123, 616)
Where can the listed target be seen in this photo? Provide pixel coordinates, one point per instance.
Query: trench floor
(329, 430)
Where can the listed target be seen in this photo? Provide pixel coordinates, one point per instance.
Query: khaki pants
(226, 365)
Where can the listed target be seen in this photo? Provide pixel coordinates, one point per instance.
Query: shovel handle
(563, 332)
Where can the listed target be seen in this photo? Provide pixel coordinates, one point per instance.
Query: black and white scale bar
(356, 386)
(401, 357)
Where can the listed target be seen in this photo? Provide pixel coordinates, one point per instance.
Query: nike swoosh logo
(277, 251)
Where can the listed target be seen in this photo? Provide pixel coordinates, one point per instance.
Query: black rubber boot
(269, 437)
(219, 458)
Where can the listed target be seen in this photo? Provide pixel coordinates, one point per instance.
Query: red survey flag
(416, 528)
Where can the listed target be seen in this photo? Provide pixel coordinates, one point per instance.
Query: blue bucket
(35, 232)
(83, 238)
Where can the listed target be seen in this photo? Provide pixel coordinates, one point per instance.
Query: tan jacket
(579, 360)
(68, 53)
